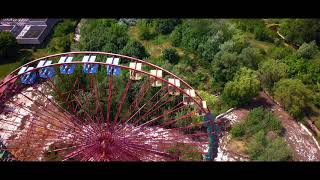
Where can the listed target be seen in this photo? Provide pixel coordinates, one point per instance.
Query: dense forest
(228, 61)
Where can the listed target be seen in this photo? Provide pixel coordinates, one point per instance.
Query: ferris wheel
(98, 106)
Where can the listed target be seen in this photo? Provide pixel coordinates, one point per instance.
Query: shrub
(308, 50)
(171, 55)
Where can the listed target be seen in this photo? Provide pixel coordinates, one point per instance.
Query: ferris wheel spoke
(77, 152)
(144, 88)
(109, 101)
(148, 101)
(52, 115)
(153, 151)
(98, 98)
(171, 121)
(123, 97)
(38, 113)
(153, 109)
(166, 113)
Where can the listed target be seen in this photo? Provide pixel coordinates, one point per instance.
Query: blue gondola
(46, 72)
(113, 70)
(90, 68)
(28, 78)
(66, 68)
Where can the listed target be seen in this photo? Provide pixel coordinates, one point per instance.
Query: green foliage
(224, 66)
(242, 88)
(166, 26)
(103, 35)
(8, 45)
(262, 130)
(258, 119)
(271, 71)
(238, 130)
(135, 49)
(62, 36)
(280, 52)
(146, 29)
(64, 28)
(176, 36)
(214, 103)
(171, 55)
(257, 27)
(236, 44)
(299, 31)
(308, 50)
(263, 149)
(294, 96)
(60, 44)
(251, 57)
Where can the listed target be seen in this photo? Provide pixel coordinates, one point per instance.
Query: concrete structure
(28, 31)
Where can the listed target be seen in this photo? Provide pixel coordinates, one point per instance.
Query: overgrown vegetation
(262, 130)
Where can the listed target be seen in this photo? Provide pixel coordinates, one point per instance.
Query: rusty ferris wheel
(97, 106)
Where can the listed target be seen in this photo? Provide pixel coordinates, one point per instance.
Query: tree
(224, 66)
(308, 50)
(166, 26)
(135, 49)
(8, 45)
(251, 57)
(242, 88)
(211, 46)
(271, 71)
(294, 96)
(171, 55)
(64, 28)
(103, 35)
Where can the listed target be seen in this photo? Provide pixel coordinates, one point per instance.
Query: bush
(262, 149)
(258, 119)
(308, 50)
(171, 55)
(238, 130)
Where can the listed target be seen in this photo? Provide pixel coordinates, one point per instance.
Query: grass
(238, 146)
(5, 69)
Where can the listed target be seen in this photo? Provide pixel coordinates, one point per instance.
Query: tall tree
(242, 88)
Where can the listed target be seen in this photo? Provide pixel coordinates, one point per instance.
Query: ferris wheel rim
(14, 77)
